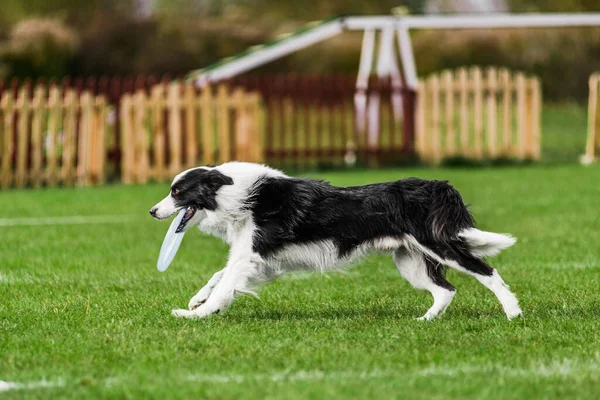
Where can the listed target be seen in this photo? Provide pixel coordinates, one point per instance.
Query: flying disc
(171, 243)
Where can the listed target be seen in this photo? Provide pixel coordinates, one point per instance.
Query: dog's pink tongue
(171, 243)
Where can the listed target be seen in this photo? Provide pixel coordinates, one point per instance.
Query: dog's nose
(153, 211)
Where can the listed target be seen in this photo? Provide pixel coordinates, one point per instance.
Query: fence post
(536, 118)
(140, 137)
(592, 139)
(507, 91)
(37, 142)
(23, 106)
(435, 126)
(174, 110)
(478, 111)
(223, 122)
(492, 139)
(158, 128)
(83, 156)
(522, 116)
(448, 82)
(191, 145)
(69, 136)
(54, 121)
(464, 110)
(128, 152)
(8, 143)
(208, 137)
(100, 153)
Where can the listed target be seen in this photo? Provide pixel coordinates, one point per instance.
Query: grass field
(84, 313)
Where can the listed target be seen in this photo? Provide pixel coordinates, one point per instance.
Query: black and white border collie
(277, 224)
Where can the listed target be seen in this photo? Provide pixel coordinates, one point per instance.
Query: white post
(407, 57)
(362, 80)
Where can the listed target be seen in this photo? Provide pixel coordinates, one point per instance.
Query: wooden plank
(590, 148)
(223, 124)
(100, 140)
(142, 166)
(127, 149)
(507, 104)
(54, 123)
(68, 167)
(208, 134)
(8, 144)
(520, 151)
(477, 112)
(448, 88)
(191, 138)
(435, 117)
(83, 156)
(158, 128)
(242, 139)
(37, 141)
(24, 108)
(175, 133)
(528, 139)
(256, 139)
(464, 112)
(536, 118)
(492, 118)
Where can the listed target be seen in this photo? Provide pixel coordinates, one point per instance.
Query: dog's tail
(486, 244)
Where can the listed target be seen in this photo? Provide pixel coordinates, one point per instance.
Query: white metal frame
(402, 25)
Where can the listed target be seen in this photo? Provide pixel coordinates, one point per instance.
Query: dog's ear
(214, 179)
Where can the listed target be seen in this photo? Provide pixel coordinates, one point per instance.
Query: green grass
(83, 305)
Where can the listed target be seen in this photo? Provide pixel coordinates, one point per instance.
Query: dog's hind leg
(462, 260)
(491, 279)
(424, 273)
(202, 295)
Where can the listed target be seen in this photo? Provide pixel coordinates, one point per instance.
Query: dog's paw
(200, 312)
(198, 300)
(183, 314)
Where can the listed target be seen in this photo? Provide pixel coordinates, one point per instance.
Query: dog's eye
(175, 191)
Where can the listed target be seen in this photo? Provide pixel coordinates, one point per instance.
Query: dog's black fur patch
(290, 211)
(198, 188)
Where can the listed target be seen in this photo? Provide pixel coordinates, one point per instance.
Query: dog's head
(194, 190)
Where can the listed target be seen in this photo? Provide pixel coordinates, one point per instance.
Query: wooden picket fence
(476, 114)
(592, 148)
(177, 126)
(49, 137)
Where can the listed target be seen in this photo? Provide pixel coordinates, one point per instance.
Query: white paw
(514, 313)
(426, 317)
(200, 312)
(183, 314)
(198, 299)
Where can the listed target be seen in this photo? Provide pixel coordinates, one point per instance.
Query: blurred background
(93, 90)
(55, 38)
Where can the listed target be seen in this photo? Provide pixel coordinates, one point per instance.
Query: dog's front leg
(202, 295)
(244, 270)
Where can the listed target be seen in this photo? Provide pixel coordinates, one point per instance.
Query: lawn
(85, 314)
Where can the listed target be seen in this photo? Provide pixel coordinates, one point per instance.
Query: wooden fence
(592, 148)
(311, 120)
(175, 126)
(471, 114)
(49, 136)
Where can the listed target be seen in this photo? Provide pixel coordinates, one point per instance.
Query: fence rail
(477, 114)
(592, 148)
(176, 126)
(50, 136)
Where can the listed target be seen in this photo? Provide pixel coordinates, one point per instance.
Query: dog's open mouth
(189, 214)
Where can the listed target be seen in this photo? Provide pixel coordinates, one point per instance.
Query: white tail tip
(486, 244)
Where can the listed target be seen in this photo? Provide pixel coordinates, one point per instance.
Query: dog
(276, 224)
